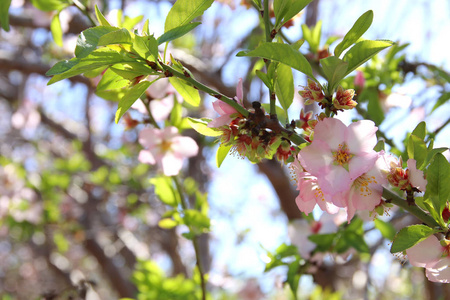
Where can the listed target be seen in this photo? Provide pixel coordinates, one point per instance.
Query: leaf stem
(412, 209)
(84, 10)
(185, 206)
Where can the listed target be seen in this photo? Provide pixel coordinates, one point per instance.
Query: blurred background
(77, 211)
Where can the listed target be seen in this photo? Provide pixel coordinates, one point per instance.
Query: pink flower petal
(305, 206)
(359, 165)
(171, 164)
(240, 91)
(440, 272)
(337, 180)
(149, 137)
(361, 136)
(331, 131)
(425, 253)
(146, 157)
(416, 176)
(220, 121)
(316, 158)
(184, 146)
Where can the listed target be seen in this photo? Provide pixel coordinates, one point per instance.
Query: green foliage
(438, 178)
(362, 52)
(286, 9)
(361, 25)
(146, 47)
(335, 70)
(409, 236)
(312, 36)
(177, 32)
(50, 5)
(282, 53)
(152, 284)
(284, 86)
(386, 229)
(100, 17)
(189, 94)
(222, 152)
(165, 191)
(4, 14)
(55, 28)
(130, 97)
(201, 126)
(184, 11)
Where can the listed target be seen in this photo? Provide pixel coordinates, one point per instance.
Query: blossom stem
(185, 206)
(412, 209)
(206, 89)
(150, 115)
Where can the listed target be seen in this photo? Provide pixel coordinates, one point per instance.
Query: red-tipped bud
(344, 99)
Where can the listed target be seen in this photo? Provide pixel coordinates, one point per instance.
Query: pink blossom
(432, 256)
(415, 176)
(365, 192)
(312, 92)
(359, 81)
(166, 148)
(339, 154)
(227, 112)
(310, 192)
(404, 179)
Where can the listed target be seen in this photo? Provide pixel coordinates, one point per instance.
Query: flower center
(165, 145)
(342, 156)
(362, 184)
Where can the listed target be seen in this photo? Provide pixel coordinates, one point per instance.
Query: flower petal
(361, 136)
(416, 176)
(146, 157)
(425, 253)
(171, 164)
(331, 131)
(184, 146)
(316, 158)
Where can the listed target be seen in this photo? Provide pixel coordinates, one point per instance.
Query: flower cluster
(340, 169)
(342, 100)
(256, 136)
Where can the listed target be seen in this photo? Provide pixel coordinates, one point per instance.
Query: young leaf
(361, 25)
(177, 32)
(165, 191)
(409, 236)
(49, 5)
(69, 68)
(374, 109)
(201, 126)
(286, 9)
(421, 130)
(121, 36)
(284, 86)
(417, 149)
(184, 11)
(55, 28)
(189, 94)
(264, 78)
(379, 146)
(194, 218)
(100, 17)
(222, 152)
(362, 52)
(282, 53)
(386, 229)
(146, 47)
(334, 69)
(88, 40)
(431, 154)
(130, 97)
(167, 223)
(438, 178)
(4, 14)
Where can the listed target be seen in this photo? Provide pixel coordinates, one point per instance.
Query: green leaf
(362, 52)
(130, 97)
(284, 86)
(55, 28)
(334, 70)
(146, 47)
(131, 70)
(61, 242)
(438, 178)
(121, 36)
(194, 218)
(177, 32)
(176, 113)
(184, 11)
(444, 98)
(386, 229)
(421, 130)
(189, 94)
(374, 109)
(417, 149)
(49, 5)
(352, 239)
(323, 241)
(99, 58)
(165, 191)
(282, 53)
(265, 78)
(201, 126)
(100, 17)
(4, 14)
(379, 146)
(361, 25)
(409, 236)
(167, 223)
(431, 154)
(222, 152)
(286, 9)
(88, 40)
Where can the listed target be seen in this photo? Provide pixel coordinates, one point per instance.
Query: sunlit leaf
(130, 97)
(177, 32)
(88, 40)
(334, 70)
(189, 94)
(284, 86)
(184, 11)
(55, 28)
(409, 236)
(201, 126)
(100, 17)
(222, 152)
(361, 25)
(438, 178)
(362, 52)
(49, 5)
